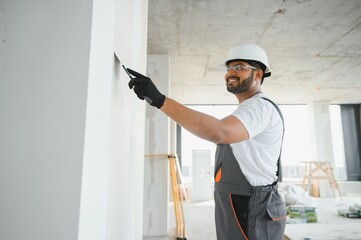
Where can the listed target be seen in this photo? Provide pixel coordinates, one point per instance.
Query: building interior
(82, 158)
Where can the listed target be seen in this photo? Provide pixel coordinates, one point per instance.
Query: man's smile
(232, 80)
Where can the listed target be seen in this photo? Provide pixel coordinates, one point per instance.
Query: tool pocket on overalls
(276, 224)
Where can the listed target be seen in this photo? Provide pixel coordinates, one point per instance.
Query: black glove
(145, 89)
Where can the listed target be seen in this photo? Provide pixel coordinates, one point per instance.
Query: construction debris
(302, 214)
(354, 211)
(301, 207)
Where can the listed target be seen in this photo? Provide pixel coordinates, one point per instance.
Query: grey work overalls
(243, 211)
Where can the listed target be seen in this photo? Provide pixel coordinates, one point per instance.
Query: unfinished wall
(72, 133)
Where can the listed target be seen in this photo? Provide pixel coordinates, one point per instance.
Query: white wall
(112, 190)
(70, 127)
(43, 79)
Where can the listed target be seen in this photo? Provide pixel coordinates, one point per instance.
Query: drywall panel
(72, 133)
(43, 86)
(112, 180)
(97, 149)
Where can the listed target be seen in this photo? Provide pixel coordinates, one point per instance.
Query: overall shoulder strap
(279, 172)
(278, 110)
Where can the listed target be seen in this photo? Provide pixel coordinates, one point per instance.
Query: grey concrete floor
(330, 225)
(199, 219)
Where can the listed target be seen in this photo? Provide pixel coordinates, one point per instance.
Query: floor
(330, 225)
(199, 218)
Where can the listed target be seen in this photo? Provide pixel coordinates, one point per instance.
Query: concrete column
(321, 139)
(155, 219)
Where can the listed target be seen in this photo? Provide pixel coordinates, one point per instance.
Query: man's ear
(259, 74)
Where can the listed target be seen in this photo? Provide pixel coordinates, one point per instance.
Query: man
(247, 203)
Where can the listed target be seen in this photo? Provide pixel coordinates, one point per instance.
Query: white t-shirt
(257, 156)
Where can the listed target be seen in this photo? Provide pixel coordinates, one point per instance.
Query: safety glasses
(239, 67)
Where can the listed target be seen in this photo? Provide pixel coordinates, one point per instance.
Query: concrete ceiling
(314, 47)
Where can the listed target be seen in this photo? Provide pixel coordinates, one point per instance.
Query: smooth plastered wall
(71, 131)
(43, 89)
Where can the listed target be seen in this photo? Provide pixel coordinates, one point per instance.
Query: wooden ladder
(312, 168)
(176, 176)
(178, 192)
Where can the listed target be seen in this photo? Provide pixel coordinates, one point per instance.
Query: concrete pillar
(321, 139)
(155, 219)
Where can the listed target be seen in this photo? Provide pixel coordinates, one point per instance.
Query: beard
(241, 87)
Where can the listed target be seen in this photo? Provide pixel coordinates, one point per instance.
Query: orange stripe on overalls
(219, 175)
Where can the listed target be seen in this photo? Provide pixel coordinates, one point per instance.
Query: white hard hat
(251, 52)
